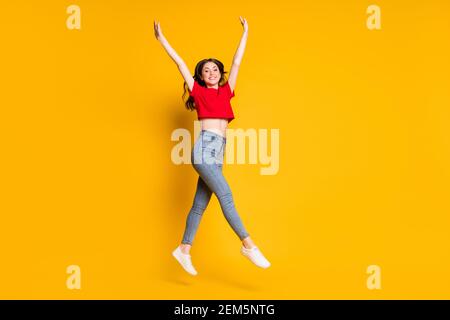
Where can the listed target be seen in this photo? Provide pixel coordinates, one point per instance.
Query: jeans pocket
(208, 139)
(207, 143)
(211, 153)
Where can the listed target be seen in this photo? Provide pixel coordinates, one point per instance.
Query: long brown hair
(190, 104)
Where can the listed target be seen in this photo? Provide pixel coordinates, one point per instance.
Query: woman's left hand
(244, 23)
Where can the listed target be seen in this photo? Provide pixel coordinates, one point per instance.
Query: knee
(225, 198)
(198, 209)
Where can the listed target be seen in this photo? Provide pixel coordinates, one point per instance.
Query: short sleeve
(194, 89)
(230, 93)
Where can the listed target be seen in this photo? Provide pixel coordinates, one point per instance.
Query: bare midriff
(216, 125)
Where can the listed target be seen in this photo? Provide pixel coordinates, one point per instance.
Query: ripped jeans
(207, 159)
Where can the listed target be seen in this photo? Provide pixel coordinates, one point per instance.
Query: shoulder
(227, 88)
(195, 88)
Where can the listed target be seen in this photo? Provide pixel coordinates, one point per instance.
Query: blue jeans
(207, 159)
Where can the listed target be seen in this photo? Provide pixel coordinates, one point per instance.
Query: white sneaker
(255, 256)
(184, 260)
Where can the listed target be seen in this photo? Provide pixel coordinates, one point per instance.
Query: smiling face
(211, 74)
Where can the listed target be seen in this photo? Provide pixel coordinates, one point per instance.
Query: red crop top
(213, 103)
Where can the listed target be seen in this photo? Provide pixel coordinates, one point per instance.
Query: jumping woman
(210, 93)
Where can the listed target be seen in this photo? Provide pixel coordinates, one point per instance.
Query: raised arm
(175, 57)
(238, 56)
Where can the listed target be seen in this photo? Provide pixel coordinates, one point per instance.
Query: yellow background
(364, 120)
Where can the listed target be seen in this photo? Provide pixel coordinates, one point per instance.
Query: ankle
(185, 248)
(248, 244)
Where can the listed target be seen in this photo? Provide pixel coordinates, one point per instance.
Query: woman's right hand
(158, 31)
(244, 24)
